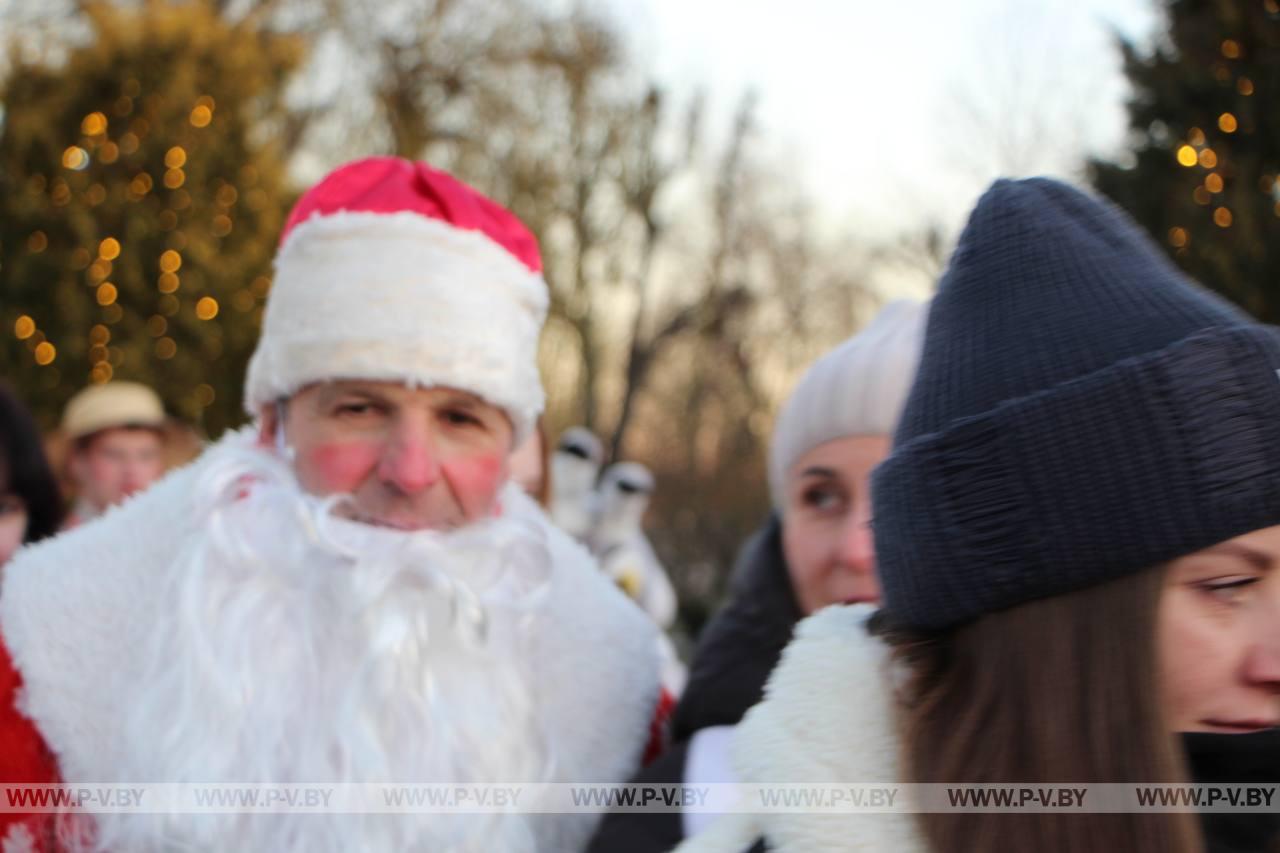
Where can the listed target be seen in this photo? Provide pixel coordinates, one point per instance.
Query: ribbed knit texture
(858, 388)
(1081, 411)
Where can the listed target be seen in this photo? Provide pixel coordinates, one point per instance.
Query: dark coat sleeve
(1236, 759)
(645, 832)
(742, 643)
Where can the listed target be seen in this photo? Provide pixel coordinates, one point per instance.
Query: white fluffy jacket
(73, 612)
(825, 719)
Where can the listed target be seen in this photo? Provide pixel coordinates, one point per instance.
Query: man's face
(410, 458)
(117, 462)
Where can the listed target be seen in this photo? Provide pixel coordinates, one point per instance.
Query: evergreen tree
(1205, 125)
(140, 202)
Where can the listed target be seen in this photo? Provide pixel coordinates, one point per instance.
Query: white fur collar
(73, 611)
(826, 718)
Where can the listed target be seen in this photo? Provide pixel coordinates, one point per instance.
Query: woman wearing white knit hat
(815, 550)
(834, 429)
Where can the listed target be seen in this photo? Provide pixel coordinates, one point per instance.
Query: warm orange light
(107, 293)
(94, 124)
(75, 158)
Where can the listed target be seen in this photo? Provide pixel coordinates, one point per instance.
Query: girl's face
(826, 525)
(1219, 636)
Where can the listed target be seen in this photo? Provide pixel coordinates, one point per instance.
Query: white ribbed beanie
(858, 388)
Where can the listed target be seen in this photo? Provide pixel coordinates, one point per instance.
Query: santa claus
(349, 590)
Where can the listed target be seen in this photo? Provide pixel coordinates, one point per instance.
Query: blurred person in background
(350, 590)
(575, 465)
(619, 542)
(815, 550)
(116, 444)
(627, 557)
(30, 503)
(1078, 540)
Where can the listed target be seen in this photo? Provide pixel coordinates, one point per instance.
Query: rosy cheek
(339, 467)
(475, 481)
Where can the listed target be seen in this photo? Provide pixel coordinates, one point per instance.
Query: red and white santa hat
(392, 270)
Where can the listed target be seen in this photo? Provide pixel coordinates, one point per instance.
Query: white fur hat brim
(404, 298)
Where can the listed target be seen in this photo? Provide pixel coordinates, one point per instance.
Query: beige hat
(115, 404)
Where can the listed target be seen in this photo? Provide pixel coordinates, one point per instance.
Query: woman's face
(826, 524)
(13, 524)
(1219, 636)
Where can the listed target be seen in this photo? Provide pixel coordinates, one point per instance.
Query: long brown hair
(1055, 691)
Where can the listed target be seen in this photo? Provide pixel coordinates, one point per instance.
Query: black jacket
(735, 654)
(1243, 759)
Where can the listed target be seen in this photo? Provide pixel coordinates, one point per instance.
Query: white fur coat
(825, 719)
(73, 613)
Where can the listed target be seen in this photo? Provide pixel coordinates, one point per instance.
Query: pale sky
(894, 114)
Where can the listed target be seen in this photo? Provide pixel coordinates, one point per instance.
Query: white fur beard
(301, 648)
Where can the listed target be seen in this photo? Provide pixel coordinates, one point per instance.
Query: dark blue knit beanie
(1082, 411)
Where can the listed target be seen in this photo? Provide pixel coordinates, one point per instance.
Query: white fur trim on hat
(404, 298)
(858, 388)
